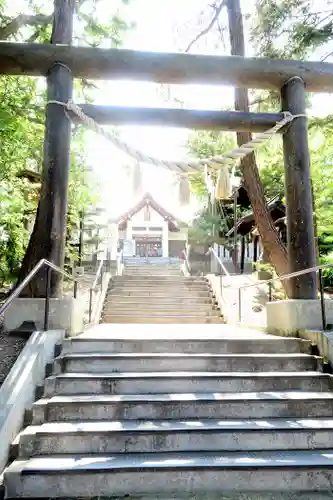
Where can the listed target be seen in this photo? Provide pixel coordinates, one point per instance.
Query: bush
(327, 273)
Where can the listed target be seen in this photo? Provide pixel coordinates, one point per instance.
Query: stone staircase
(159, 267)
(188, 412)
(157, 293)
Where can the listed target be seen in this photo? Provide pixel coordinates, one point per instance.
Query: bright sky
(161, 25)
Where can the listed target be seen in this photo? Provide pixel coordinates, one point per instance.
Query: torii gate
(61, 62)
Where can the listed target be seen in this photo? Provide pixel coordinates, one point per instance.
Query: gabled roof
(247, 223)
(31, 175)
(148, 200)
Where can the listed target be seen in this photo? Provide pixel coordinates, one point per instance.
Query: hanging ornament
(209, 184)
(137, 179)
(223, 184)
(184, 190)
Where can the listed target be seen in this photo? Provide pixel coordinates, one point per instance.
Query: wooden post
(235, 232)
(255, 252)
(242, 258)
(300, 227)
(49, 233)
(81, 238)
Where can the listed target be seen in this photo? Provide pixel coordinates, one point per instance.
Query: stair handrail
(186, 262)
(99, 275)
(284, 277)
(120, 263)
(219, 261)
(17, 291)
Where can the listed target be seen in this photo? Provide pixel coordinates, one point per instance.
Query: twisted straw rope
(180, 167)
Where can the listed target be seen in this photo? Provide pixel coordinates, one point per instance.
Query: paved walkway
(174, 331)
(253, 300)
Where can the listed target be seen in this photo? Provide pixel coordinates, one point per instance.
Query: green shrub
(327, 273)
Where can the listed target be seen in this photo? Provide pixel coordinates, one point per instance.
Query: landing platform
(175, 331)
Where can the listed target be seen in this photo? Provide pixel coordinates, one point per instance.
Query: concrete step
(147, 266)
(155, 362)
(161, 291)
(138, 274)
(184, 382)
(175, 435)
(158, 286)
(146, 311)
(152, 312)
(166, 300)
(152, 271)
(162, 320)
(147, 305)
(256, 405)
(160, 279)
(188, 344)
(120, 287)
(244, 495)
(169, 473)
(158, 282)
(140, 293)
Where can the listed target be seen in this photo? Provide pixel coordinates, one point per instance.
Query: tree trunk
(49, 233)
(272, 243)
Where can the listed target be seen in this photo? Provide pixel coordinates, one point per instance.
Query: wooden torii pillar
(300, 225)
(49, 233)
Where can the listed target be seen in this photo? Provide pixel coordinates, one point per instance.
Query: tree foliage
(292, 29)
(205, 144)
(299, 29)
(22, 126)
(270, 161)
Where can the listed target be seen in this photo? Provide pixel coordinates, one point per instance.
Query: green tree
(22, 126)
(205, 144)
(293, 29)
(284, 29)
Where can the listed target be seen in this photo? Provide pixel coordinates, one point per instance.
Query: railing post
(269, 291)
(239, 305)
(109, 261)
(47, 298)
(322, 300)
(90, 303)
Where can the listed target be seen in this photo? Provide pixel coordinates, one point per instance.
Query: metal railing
(104, 266)
(269, 282)
(50, 267)
(98, 282)
(186, 262)
(207, 259)
(120, 263)
(219, 261)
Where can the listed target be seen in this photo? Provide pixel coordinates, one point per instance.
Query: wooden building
(250, 248)
(149, 230)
